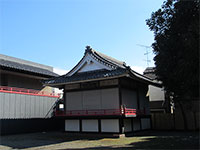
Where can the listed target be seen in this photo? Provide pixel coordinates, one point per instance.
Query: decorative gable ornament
(97, 66)
(93, 60)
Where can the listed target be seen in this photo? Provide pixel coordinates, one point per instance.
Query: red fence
(101, 112)
(15, 90)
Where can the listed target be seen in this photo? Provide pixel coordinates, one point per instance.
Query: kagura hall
(103, 95)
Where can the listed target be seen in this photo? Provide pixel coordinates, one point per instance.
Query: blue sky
(55, 32)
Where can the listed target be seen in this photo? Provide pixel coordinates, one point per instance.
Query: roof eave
(143, 78)
(28, 72)
(89, 80)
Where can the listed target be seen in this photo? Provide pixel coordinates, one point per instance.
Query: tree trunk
(184, 115)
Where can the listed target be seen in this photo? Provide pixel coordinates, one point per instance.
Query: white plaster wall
(110, 125)
(146, 123)
(136, 124)
(127, 125)
(72, 125)
(89, 64)
(90, 125)
(16, 106)
(110, 98)
(156, 93)
(129, 98)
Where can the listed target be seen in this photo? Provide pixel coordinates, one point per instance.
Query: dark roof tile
(27, 68)
(86, 76)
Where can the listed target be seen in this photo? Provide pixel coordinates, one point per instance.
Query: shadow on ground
(21, 141)
(150, 140)
(160, 140)
(153, 143)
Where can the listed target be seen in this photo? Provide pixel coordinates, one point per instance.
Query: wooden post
(121, 125)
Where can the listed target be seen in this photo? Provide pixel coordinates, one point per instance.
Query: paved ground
(62, 141)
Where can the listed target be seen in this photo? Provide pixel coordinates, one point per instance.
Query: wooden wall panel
(110, 98)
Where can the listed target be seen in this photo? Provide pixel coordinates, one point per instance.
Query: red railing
(15, 90)
(135, 112)
(101, 112)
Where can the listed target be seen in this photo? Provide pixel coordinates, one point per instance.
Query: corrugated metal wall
(18, 106)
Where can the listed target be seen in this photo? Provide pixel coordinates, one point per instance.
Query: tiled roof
(26, 68)
(97, 74)
(117, 68)
(150, 73)
(108, 59)
(101, 58)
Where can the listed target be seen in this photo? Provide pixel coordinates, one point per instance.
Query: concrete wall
(93, 99)
(16, 106)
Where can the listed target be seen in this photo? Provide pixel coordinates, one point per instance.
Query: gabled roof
(15, 64)
(108, 62)
(84, 76)
(112, 68)
(106, 59)
(150, 73)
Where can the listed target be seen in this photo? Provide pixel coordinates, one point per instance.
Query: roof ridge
(27, 62)
(106, 58)
(26, 67)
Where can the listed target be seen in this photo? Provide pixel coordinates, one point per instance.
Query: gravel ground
(62, 141)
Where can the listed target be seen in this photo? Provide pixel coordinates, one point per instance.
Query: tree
(176, 47)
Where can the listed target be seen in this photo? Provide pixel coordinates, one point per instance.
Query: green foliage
(176, 46)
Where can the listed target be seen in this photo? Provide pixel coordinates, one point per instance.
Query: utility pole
(147, 53)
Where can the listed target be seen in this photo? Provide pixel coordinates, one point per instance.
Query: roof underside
(9, 65)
